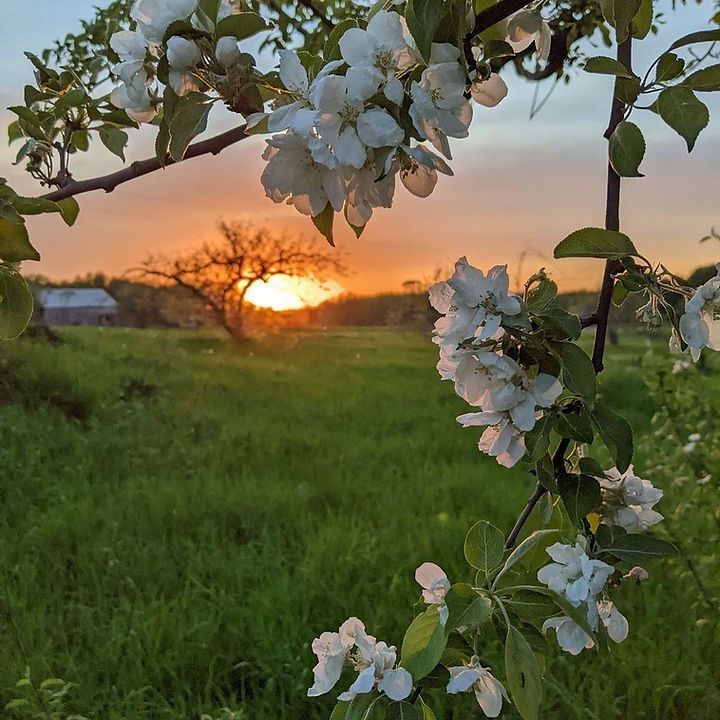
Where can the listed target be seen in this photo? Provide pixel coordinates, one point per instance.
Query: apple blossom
(440, 109)
(501, 439)
(700, 325)
(375, 663)
(435, 585)
(183, 56)
(376, 55)
(526, 27)
(419, 168)
(489, 692)
(227, 52)
(573, 639)
(154, 17)
(366, 191)
(347, 125)
(573, 574)
(489, 92)
(293, 175)
(299, 115)
(134, 93)
(628, 500)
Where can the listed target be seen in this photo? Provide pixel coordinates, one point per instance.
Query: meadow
(181, 516)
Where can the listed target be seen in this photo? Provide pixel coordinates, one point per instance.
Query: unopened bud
(638, 574)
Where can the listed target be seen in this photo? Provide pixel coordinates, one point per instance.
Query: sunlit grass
(178, 550)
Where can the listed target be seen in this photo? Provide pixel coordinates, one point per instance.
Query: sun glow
(288, 293)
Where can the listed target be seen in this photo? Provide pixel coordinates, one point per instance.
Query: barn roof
(66, 298)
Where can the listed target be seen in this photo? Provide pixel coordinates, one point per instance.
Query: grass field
(186, 515)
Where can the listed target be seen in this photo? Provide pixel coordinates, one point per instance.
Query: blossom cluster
(580, 580)
(628, 501)
(509, 399)
(191, 65)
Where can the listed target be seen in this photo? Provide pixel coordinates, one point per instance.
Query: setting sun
(282, 292)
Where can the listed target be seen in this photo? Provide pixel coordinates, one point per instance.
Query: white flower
(573, 639)
(365, 191)
(227, 8)
(501, 439)
(227, 52)
(374, 662)
(489, 92)
(573, 574)
(628, 500)
(376, 55)
(435, 585)
(473, 303)
(154, 17)
(638, 574)
(133, 95)
(298, 115)
(347, 126)
(570, 636)
(439, 109)
(526, 27)
(183, 56)
(419, 168)
(293, 175)
(489, 691)
(700, 325)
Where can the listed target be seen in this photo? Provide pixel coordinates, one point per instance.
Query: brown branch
(211, 146)
(496, 13)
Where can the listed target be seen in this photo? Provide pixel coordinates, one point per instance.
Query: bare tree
(220, 273)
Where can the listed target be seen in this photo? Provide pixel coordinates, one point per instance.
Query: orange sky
(518, 185)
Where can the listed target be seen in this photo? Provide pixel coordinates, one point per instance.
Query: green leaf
(359, 707)
(640, 548)
(590, 466)
(642, 23)
(575, 425)
(620, 14)
(575, 614)
(402, 711)
(427, 713)
(578, 374)
(340, 711)
(15, 243)
(466, 608)
(616, 433)
(523, 675)
(324, 223)
(696, 37)
(188, 121)
(559, 324)
(619, 293)
(580, 495)
(69, 210)
(683, 112)
(241, 26)
(627, 90)
(423, 18)
(530, 606)
(541, 295)
(545, 471)
(423, 644)
(627, 149)
(704, 80)
(602, 65)
(114, 140)
(16, 303)
(34, 206)
(526, 546)
(596, 243)
(484, 546)
(669, 67)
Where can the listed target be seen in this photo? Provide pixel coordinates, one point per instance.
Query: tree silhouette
(221, 273)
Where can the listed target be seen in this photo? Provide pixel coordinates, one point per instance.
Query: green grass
(177, 550)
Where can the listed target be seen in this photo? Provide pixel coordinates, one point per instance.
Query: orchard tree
(373, 96)
(220, 274)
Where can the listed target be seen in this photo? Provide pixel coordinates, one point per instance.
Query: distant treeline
(142, 305)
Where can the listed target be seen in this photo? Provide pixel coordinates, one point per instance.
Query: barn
(76, 306)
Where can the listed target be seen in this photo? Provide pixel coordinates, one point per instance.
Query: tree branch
(211, 146)
(495, 13)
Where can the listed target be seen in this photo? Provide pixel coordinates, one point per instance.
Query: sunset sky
(519, 184)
